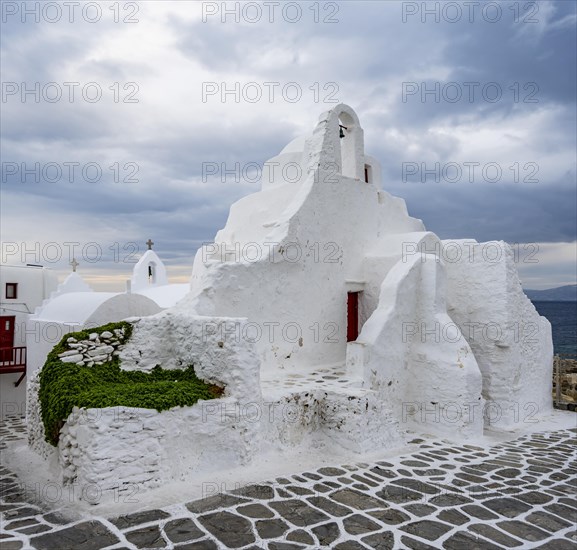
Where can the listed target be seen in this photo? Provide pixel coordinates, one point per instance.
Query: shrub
(67, 385)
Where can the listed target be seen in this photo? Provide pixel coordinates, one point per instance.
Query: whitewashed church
(322, 296)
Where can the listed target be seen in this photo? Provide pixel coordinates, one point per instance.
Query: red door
(352, 316)
(6, 337)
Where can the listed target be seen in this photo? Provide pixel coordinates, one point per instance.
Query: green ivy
(67, 385)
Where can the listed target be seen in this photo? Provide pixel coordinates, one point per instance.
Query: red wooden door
(6, 337)
(352, 316)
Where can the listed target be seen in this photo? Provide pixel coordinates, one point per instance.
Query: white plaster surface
(413, 368)
(266, 316)
(73, 283)
(511, 341)
(148, 271)
(165, 296)
(120, 446)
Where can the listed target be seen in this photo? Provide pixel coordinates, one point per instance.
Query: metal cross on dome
(74, 265)
(149, 243)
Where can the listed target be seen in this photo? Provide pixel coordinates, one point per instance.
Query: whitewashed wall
(511, 341)
(118, 447)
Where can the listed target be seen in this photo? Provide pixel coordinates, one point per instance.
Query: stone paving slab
(519, 494)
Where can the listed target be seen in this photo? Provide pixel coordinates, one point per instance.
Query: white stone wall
(357, 420)
(174, 340)
(512, 343)
(382, 258)
(119, 448)
(116, 448)
(34, 424)
(416, 372)
(97, 349)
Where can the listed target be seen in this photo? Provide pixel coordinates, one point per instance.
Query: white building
(22, 288)
(322, 294)
(357, 285)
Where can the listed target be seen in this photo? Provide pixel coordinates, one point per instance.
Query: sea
(563, 318)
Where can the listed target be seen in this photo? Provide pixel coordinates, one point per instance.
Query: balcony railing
(13, 360)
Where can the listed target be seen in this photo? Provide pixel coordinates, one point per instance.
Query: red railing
(13, 360)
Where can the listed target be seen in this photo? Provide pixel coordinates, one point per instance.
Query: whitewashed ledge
(117, 447)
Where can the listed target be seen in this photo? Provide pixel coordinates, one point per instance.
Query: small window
(11, 291)
(368, 173)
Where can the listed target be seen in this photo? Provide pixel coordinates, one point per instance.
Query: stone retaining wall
(120, 448)
(117, 448)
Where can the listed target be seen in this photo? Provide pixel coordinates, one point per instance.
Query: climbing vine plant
(67, 385)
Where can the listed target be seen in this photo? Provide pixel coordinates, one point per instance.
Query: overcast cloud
(504, 149)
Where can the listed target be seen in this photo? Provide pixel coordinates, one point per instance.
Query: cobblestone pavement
(518, 494)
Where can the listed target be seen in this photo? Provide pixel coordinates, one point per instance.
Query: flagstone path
(518, 494)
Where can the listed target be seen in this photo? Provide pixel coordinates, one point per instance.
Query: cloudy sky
(113, 112)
